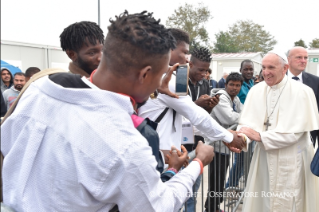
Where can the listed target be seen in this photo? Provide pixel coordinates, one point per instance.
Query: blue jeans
(236, 171)
(191, 202)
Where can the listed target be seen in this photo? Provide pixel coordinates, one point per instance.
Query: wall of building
(230, 66)
(24, 55)
(313, 63)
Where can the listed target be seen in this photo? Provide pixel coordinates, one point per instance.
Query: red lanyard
(132, 100)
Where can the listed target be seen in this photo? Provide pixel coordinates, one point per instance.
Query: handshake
(238, 143)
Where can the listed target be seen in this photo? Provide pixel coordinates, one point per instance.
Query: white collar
(90, 84)
(279, 85)
(290, 75)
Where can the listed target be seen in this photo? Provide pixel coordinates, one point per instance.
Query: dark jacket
(313, 82)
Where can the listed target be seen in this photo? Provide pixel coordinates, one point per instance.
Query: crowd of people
(93, 139)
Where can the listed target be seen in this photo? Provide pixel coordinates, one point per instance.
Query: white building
(313, 62)
(25, 55)
(230, 62)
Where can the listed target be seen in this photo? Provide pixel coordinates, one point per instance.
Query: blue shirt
(244, 90)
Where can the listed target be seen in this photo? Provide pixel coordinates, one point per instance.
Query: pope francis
(279, 175)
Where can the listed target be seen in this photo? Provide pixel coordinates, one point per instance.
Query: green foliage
(314, 43)
(244, 36)
(301, 43)
(192, 20)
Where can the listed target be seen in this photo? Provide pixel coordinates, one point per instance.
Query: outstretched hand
(176, 158)
(250, 133)
(163, 88)
(237, 144)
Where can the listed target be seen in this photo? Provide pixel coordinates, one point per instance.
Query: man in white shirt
(77, 148)
(279, 175)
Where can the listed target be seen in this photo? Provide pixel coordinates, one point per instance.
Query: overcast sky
(42, 21)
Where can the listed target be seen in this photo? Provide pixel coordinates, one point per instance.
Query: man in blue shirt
(247, 71)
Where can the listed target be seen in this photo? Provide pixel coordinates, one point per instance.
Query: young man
(6, 79)
(226, 113)
(247, 71)
(82, 151)
(12, 93)
(170, 126)
(179, 54)
(30, 72)
(237, 170)
(83, 43)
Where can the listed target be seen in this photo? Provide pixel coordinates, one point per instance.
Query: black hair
(19, 74)
(179, 35)
(31, 70)
(245, 61)
(235, 76)
(209, 70)
(74, 36)
(202, 54)
(135, 40)
(261, 74)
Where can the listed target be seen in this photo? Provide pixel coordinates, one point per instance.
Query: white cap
(280, 54)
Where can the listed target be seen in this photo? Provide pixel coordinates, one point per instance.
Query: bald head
(297, 59)
(274, 69)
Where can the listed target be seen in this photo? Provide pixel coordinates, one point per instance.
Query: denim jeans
(191, 202)
(236, 171)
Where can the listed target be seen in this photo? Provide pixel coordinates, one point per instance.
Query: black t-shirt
(201, 88)
(195, 91)
(68, 80)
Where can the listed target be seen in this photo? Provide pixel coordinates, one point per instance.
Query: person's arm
(5, 98)
(224, 112)
(270, 139)
(135, 184)
(198, 117)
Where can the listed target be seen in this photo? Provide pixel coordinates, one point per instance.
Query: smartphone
(217, 94)
(181, 87)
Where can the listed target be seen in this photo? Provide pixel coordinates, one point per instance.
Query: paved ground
(199, 204)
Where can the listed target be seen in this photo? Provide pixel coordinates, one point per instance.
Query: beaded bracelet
(173, 170)
(201, 165)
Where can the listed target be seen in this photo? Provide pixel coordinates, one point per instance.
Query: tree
(301, 43)
(314, 43)
(192, 20)
(244, 36)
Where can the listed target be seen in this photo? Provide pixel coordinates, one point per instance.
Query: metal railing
(231, 169)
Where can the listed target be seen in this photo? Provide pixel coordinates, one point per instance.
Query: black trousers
(218, 169)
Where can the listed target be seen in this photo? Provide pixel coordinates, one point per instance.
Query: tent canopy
(11, 68)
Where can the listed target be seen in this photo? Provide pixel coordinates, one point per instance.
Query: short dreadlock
(134, 39)
(202, 54)
(74, 36)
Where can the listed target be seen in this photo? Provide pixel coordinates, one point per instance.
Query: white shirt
(184, 106)
(290, 75)
(78, 150)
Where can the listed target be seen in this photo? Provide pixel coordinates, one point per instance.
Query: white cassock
(279, 174)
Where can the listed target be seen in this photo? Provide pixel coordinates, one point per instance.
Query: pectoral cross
(267, 123)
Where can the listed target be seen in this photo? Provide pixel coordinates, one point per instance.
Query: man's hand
(163, 88)
(250, 133)
(204, 153)
(237, 144)
(176, 158)
(207, 102)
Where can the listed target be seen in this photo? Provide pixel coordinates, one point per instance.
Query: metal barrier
(231, 169)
